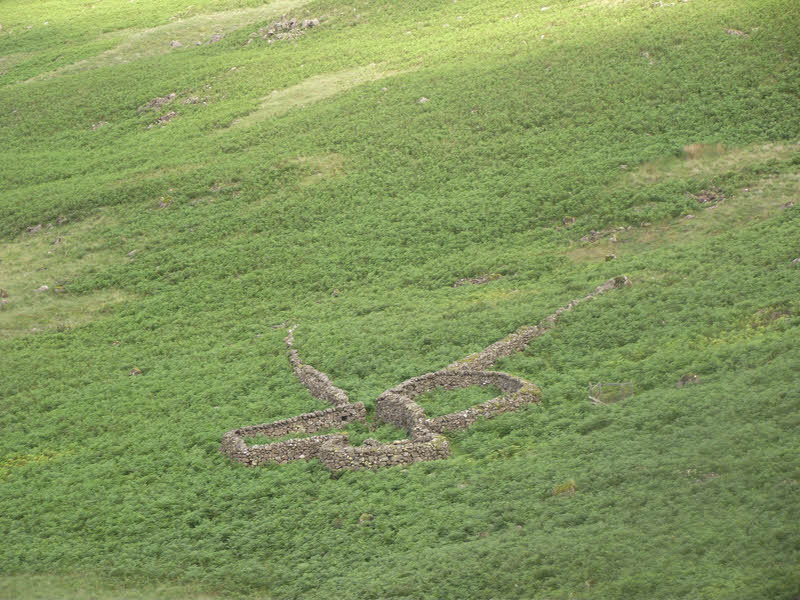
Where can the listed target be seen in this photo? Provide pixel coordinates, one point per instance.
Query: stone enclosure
(396, 406)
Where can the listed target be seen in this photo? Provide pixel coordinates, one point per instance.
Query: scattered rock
(57, 241)
(194, 100)
(285, 29)
(710, 196)
(97, 126)
(568, 221)
(157, 103)
(175, 44)
(384, 89)
(132, 252)
(789, 204)
(687, 217)
(796, 262)
(480, 279)
(688, 379)
(163, 202)
(736, 33)
(214, 38)
(423, 100)
(41, 289)
(35, 228)
(61, 220)
(136, 371)
(163, 119)
(610, 257)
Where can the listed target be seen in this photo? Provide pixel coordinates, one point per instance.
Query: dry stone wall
(395, 406)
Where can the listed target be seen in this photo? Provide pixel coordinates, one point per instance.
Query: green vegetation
(440, 402)
(408, 146)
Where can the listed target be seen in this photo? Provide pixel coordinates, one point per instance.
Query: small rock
(612, 239)
(164, 119)
(711, 195)
(175, 44)
(132, 252)
(41, 289)
(136, 371)
(157, 103)
(568, 221)
(309, 23)
(214, 38)
(423, 100)
(688, 379)
(789, 204)
(61, 220)
(796, 262)
(687, 217)
(610, 257)
(97, 126)
(736, 32)
(35, 228)
(3, 293)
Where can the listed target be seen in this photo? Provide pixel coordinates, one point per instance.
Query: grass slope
(345, 204)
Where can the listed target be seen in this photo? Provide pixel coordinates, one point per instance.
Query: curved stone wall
(395, 406)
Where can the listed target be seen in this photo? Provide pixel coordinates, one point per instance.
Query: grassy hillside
(200, 182)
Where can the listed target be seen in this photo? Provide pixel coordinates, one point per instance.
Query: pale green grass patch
(750, 204)
(9, 463)
(88, 587)
(709, 159)
(53, 257)
(312, 90)
(319, 167)
(146, 43)
(9, 61)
